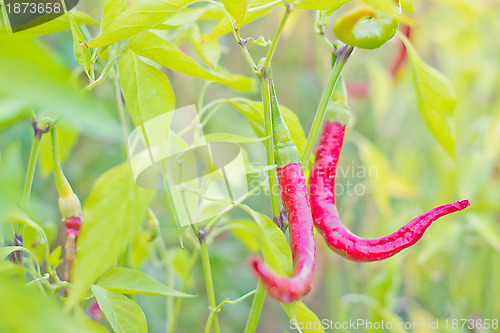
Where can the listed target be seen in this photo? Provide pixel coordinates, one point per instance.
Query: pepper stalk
(69, 206)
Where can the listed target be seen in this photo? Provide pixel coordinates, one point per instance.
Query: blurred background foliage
(394, 169)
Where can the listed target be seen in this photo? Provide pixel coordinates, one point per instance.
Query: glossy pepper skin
(294, 197)
(325, 214)
(366, 28)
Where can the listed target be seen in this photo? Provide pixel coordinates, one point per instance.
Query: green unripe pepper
(366, 28)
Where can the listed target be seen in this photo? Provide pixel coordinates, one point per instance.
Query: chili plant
(81, 97)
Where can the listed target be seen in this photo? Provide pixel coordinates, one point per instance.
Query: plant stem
(266, 100)
(30, 173)
(178, 301)
(325, 98)
(274, 43)
(258, 302)
(210, 284)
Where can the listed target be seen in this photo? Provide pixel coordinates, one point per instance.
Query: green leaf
(54, 258)
(68, 137)
(254, 114)
(112, 214)
(168, 55)
(237, 9)
(208, 51)
(321, 4)
(436, 99)
(20, 302)
(39, 79)
(110, 10)
(223, 26)
(58, 24)
(80, 49)
(8, 250)
(246, 231)
(134, 282)
(146, 90)
(123, 314)
(275, 249)
(16, 215)
(304, 317)
(142, 15)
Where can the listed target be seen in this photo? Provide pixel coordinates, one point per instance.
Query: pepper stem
(285, 151)
(342, 56)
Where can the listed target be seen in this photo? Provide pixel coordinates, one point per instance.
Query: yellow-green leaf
(112, 214)
(146, 90)
(80, 49)
(110, 10)
(141, 16)
(123, 314)
(133, 282)
(237, 9)
(167, 54)
(304, 318)
(436, 99)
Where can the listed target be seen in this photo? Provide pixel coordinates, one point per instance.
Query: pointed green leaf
(112, 214)
(304, 318)
(275, 249)
(134, 282)
(80, 49)
(110, 10)
(8, 250)
(142, 15)
(237, 9)
(436, 99)
(124, 315)
(168, 55)
(146, 90)
(253, 113)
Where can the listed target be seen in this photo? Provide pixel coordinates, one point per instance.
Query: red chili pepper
(325, 214)
(293, 192)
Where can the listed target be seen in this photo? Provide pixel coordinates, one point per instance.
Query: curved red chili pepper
(325, 214)
(293, 190)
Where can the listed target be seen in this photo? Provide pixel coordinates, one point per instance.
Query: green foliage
(123, 314)
(168, 55)
(140, 16)
(151, 56)
(146, 89)
(436, 99)
(133, 282)
(113, 213)
(237, 9)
